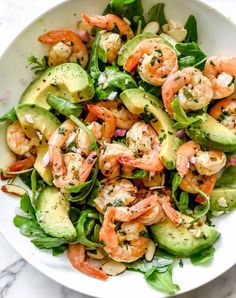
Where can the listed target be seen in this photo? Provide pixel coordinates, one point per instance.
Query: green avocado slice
(68, 80)
(212, 134)
(223, 199)
(137, 101)
(180, 241)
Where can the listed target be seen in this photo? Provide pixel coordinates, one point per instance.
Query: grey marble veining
(15, 274)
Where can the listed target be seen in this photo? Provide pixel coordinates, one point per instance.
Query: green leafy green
(158, 272)
(137, 174)
(190, 55)
(38, 65)
(203, 257)
(154, 90)
(174, 186)
(11, 116)
(203, 209)
(183, 120)
(131, 9)
(191, 27)
(30, 227)
(63, 106)
(82, 228)
(114, 81)
(157, 13)
(93, 67)
(94, 193)
(33, 179)
(183, 202)
(228, 177)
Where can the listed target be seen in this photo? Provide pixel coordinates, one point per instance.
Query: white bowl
(216, 37)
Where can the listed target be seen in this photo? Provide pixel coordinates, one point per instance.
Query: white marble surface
(18, 278)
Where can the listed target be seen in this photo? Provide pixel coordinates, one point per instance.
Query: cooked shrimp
(221, 71)
(153, 215)
(17, 140)
(142, 138)
(128, 243)
(109, 124)
(206, 162)
(149, 162)
(124, 118)
(26, 163)
(109, 22)
(115, 193)
(225, 112)
(156, 61)
(193, 181)
(66, 46)
(111, 42)
(108, 161)
(82, 139)
(193, 89)
(76, 255)
(77, 170)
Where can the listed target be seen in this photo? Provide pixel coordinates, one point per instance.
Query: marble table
(17, 277)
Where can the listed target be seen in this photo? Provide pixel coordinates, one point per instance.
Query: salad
(125, 143)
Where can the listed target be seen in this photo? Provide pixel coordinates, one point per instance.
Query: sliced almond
(178, 34)
(113, 268)
(13, 189)
(95, 255)
(150, 250)
(152, 27)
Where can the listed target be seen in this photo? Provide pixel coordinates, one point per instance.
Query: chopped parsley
(146, 116)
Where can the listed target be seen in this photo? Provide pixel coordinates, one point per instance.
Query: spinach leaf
(11, 115)
(38, 65)
(203, 257)
(183, 120)
(131, 9)
(191, 27)
(157, 13)
(63, 106)
(158, 272)
(191, 55)
(183, 202)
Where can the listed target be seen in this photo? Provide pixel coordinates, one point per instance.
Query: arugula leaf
(183, 202)
(174, 186)
(154, 90)
(59, 249)
(158, 272)
(26, 205)
(162, 281)
(64, 106)
(94, 193)
(93, 67)
(191, 27)
(10, 115)
(137, 174)
(82, 235)
(33, 179)
(157, 13)
(203, 257)
(38, 65)
(191, 55)
(203, 209)
(183, 120)
(47, 242)
(131, 9)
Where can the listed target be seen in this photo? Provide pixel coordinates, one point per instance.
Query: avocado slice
(131, 44)
(179, 241)
(68, 80)
(223, 199)
(8, 157)
(52, 214)
(35, 118)
(228, 177)
(44, 172)
(136, 101)
(212, 134)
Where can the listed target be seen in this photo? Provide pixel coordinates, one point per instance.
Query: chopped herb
(181, 263)
(144, 234)
(38, 65)
(146, 116)
(61, 131)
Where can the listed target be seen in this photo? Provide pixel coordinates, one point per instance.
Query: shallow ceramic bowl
(216, 37)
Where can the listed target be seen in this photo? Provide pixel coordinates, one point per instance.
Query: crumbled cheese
(217, 213)
(222, 202)
(29, 119)
(197, 233)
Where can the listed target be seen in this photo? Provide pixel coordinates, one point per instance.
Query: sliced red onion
(84, 35)
(46, 159)
(180, 133)
(231, 161)
(120, 132)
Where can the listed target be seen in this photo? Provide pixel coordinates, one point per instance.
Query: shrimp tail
(87, 166)
(76, 255)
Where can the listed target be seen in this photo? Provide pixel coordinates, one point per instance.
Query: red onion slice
(180, 133)
(120, 132)
(84, 35)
